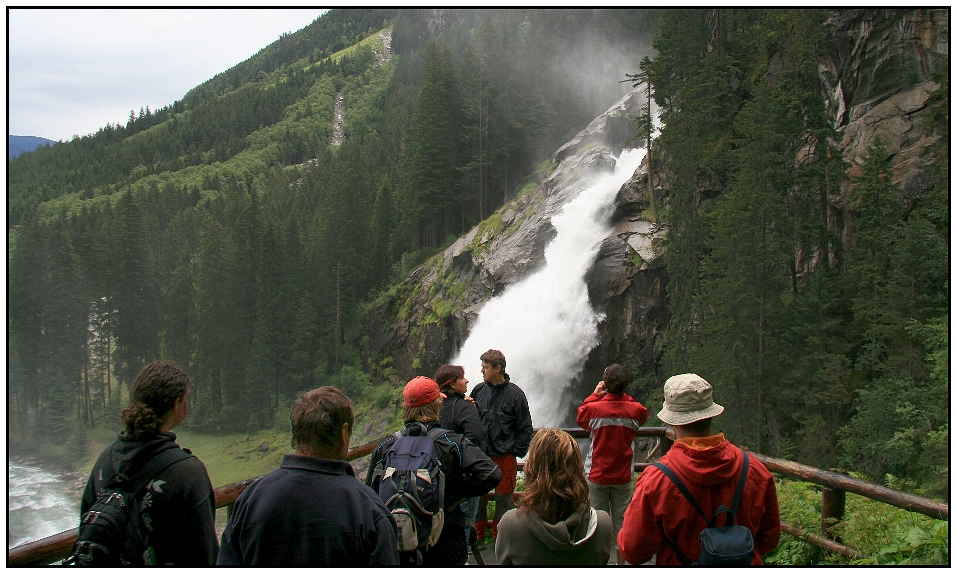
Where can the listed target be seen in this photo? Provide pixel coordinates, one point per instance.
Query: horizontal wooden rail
(824, 543)
(43, 551)
(57, 547)
(911, 502)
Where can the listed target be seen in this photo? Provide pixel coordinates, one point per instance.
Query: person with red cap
(468, 471)
(661, 520)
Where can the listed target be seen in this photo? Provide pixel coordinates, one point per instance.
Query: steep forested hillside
(809, 279)
(225, 231)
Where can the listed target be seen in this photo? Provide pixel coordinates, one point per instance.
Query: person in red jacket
(612, 419)
(660, 518)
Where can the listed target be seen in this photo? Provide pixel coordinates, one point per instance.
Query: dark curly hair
(152, 396)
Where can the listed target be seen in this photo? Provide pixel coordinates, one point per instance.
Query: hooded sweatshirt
(581, 538)
(709, 467)
(179, 502)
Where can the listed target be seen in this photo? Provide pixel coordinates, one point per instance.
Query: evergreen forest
(831, 350)
(227, 233)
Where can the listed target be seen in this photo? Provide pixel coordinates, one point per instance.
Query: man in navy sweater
(313, 511)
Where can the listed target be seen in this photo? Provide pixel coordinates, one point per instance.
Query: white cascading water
(545, 324)
(39, 504)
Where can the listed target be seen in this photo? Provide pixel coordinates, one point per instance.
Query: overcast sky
(72, 71)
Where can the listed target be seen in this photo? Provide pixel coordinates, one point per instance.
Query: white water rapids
(39, 504)
(545, 324)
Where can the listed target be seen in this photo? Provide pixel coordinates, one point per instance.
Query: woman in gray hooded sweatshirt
(553, 523)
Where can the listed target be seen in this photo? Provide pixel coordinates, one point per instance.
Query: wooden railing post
(832, 511)
(667, 440)
(835, 485)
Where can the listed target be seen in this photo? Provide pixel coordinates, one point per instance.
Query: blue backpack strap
(682, 557)
(681, 487)
(740, 489)
(433, 435)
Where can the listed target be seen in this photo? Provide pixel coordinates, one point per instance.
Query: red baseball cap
(421, 391)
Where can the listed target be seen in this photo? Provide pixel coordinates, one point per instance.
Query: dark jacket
(179, 501)
(461, 416)
(503, 410)
(310, 512)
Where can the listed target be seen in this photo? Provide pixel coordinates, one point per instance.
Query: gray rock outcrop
(500, 251)
(878, 78)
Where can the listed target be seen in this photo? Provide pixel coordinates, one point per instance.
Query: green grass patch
(526, 189)
(634, 258)
(443, 308)
(234, 457)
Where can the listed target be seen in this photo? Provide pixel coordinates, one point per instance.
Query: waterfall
(545, 324)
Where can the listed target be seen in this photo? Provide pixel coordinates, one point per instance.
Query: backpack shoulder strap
(681, 487)
(682, 557)
(148, 471)
(740, 489)
(437, 432)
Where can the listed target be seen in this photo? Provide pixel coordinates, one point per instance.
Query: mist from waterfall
(545, 324)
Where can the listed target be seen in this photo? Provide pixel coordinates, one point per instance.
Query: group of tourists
(424, 499)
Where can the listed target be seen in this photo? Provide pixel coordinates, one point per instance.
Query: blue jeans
(470, 507)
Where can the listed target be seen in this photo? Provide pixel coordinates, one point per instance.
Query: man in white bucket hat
(661, 520)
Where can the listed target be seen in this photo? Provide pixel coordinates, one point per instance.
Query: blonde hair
(554, 477)
(423, 414)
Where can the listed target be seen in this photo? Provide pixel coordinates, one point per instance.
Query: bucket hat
(688, 399)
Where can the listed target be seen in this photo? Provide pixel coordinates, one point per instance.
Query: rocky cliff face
(421, 323)
(878, 73)
(879, 69)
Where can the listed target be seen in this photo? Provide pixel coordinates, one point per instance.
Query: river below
(40, 503)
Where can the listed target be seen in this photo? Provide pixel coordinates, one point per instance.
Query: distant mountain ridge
(21, 144)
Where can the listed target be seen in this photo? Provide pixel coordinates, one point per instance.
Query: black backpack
(410, 481)
(113, 531)
(729, 545)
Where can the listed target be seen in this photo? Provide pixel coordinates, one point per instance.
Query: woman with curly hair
(178, 502)
(553, 523)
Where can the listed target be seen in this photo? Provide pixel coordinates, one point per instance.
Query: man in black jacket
(312, 511)
(503, 409)
(468, 471)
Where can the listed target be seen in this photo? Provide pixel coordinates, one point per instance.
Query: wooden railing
(57, 547)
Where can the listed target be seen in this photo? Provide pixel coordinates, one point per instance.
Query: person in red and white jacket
(613, 419)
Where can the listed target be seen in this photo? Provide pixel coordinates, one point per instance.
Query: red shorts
(509, 473)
